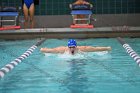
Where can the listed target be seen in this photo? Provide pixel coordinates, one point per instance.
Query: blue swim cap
(72, 43)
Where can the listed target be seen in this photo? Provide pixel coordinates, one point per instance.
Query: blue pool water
(97, 72)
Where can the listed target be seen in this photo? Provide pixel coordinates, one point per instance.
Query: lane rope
(130, 51)
(7, 68)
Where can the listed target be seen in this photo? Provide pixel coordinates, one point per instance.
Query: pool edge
(104, 32)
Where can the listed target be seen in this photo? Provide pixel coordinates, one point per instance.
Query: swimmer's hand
(43, 50)
(47, 50)
(109, 48)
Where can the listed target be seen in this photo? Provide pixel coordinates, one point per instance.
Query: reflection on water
(76, 79)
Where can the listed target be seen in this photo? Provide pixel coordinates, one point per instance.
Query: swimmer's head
(72, 46)
(72, 43)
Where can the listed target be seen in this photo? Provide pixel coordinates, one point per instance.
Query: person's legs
(82, 17)
(31, 11)
(25, 11)
(74, 21)
(79, 21)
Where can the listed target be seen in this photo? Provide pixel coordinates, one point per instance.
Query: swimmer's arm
(53, 50)
(93, 49)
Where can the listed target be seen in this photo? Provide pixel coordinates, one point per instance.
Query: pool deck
(100, 32)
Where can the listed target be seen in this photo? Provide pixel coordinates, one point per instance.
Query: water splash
(81, 55)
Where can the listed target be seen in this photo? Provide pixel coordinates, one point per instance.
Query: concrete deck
(101, 32)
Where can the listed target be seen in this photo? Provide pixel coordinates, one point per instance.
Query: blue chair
(9, 15)
(81, 10)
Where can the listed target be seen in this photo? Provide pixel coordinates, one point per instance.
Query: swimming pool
(98, 72)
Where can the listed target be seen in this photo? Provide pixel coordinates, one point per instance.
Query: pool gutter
(102, 32)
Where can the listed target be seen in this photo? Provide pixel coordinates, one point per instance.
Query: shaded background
(61, 7)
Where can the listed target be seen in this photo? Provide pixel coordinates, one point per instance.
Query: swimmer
(28, 9)
(73, 48)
